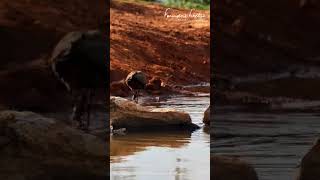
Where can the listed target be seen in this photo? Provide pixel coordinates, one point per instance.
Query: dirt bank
(267, 37)
(177, 51)
(29, 29)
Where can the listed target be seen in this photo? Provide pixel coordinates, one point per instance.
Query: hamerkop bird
(136, 81)
(80, 62)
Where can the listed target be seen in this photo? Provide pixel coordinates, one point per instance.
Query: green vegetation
(189, 4)
(186, 4)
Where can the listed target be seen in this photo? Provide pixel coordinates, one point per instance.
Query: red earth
(176, 51)
(29, 29)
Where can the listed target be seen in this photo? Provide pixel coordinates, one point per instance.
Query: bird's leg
(137, 96)
(134, 95)
(78, 109)
(90, 95)
(75, 110)
(83, 107)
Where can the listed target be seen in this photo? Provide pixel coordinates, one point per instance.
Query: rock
(119, 88)
(225, 168)
(197, 89)
(206, 118)
(33, 87)
(35, 147)
(154, 84)
(132, 116)
(310, 164)
(222, 83)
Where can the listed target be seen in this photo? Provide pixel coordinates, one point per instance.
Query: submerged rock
(206, 118)
(225, 168)
(310, 164)
(35, 147)
(132, 116)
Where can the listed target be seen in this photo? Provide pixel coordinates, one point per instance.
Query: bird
(80, 62)
(136, 81)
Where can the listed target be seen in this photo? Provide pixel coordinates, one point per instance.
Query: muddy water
(164, 155)
(273, 143)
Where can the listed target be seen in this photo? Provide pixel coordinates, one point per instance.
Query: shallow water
(273, 143)
(298, 71)
(164, 155)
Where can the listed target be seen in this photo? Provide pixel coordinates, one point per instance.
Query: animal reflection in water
(80, 62)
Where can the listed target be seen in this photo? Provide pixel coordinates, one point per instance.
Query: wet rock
(225, 168)
(206, 118)
(36, 147)
(154, 84)
(132, 116)
(310, 164)
(222, 82)
(201, 88)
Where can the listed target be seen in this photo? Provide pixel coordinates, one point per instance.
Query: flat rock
(226, 168)
(127, 114)
(310, 164)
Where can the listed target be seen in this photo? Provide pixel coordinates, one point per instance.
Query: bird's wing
(94, 47)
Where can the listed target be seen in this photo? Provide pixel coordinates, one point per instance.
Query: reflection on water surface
(164, 155)
(273, 143)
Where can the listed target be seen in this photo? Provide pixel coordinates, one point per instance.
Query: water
(298, 71)
(164, 155)
(273, 143)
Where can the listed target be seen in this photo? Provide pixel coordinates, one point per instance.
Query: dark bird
(80, 62)
(136, 81)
